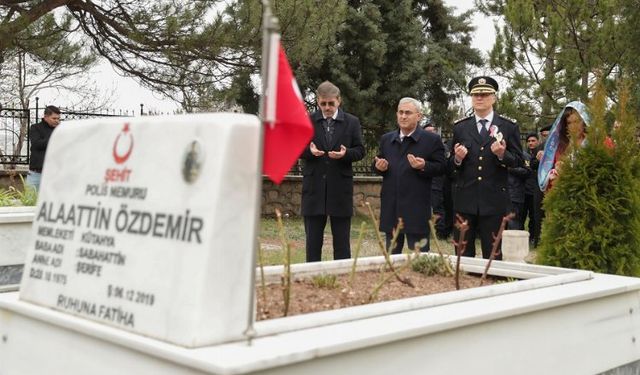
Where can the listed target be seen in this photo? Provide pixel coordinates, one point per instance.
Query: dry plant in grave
(436, 242)
(352, 276)
(495, 250)
(461, 245)
(323, 292)
(286, 274)
(385, 252)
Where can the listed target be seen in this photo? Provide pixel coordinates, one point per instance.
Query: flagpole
(268, 66)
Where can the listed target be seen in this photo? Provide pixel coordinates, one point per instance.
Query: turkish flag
(287, 136)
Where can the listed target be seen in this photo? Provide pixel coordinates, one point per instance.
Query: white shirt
(402, 136)
(489, 119)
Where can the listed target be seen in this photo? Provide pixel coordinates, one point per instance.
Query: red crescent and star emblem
(118, 156)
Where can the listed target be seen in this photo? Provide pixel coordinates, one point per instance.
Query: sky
(128, 94)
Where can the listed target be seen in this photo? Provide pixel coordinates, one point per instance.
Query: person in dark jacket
(327, 182)
(531, 188)
(437, 185)
(407, 160)
(517, 179)
(484, 146)
(39, 135)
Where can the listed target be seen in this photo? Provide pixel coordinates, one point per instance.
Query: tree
(45, 59)
(550, 52)
(308, 32)
(170, 46)
(448, 56)
(376, 61)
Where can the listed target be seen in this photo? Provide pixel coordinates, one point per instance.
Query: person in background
(572, 120)
(438, 186)
(407, 160)
(544, 133)
(39, 135)
(531, 204)
(517, 179)
(327, 182)
(484, 146)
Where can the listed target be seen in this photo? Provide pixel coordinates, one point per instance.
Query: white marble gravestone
(147, 224)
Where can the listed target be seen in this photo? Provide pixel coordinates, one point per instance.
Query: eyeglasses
(406, 113)
(327, 104)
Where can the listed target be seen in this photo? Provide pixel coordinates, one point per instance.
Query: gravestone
(147, 224)
(515, 245)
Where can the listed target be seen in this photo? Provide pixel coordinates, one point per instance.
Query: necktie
(483, 129)
(328, 131)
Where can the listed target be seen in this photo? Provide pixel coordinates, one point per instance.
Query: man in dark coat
(517, 180)
(484, 146)
(438, 206)
(531, 188)
(408, 159)
(39, 135)
(327, 183)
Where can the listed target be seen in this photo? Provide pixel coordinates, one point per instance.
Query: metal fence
(14, 146)
(15, 124)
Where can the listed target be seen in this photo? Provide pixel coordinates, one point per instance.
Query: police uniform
(480, 189)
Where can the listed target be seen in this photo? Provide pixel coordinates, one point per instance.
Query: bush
(593, 211)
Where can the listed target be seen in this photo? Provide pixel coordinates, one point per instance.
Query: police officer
(484, 146)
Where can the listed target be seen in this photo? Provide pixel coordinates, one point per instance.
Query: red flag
(291, 132)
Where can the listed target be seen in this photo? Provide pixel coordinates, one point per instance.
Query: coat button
(480, 178)
(324, 176)
(481, 148)
(480, 158)
(480, 168)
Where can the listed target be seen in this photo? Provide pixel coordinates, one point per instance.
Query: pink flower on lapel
(494, 132)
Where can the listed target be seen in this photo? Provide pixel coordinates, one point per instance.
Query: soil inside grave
(307, 297)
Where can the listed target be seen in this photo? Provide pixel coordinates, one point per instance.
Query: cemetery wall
(288, 195)
(11, 178)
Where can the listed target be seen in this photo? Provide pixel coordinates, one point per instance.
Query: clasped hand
(498, 149)
(382, 164)
(416, 162)
(332, 154)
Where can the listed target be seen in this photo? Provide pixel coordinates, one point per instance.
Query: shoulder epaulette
(508, 119)
(461, 119)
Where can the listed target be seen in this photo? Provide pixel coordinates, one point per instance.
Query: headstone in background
(147, 224)
(15, 229)
(515, 245)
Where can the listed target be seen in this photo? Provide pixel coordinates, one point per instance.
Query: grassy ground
(272, 248)
(271, 244)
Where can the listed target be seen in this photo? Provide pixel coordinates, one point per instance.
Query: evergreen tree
(375, 62)
(551, 50)
(448, 56)
(593, 210)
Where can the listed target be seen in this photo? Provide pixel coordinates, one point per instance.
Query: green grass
(14, 197)
(294, 233)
